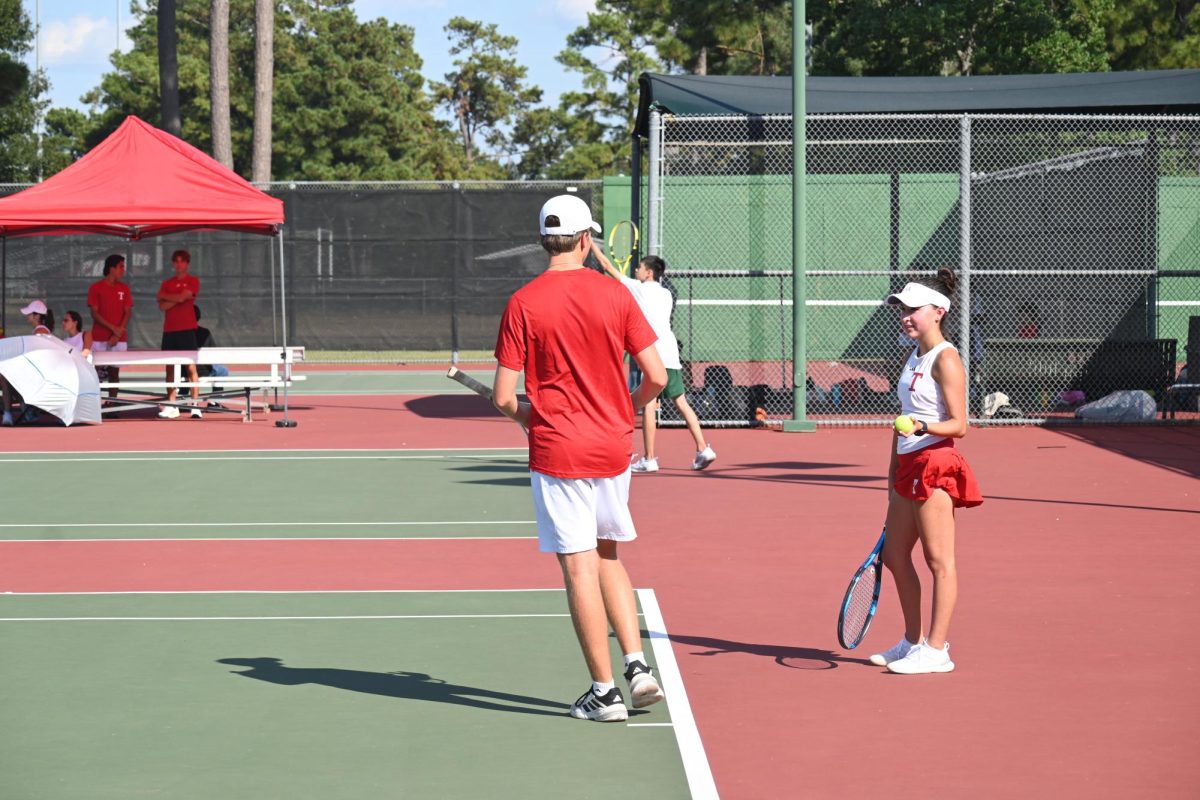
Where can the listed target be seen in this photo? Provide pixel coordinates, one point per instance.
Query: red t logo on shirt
(913, 385)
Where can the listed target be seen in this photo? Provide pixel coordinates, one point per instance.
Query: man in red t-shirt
(111, 302)
(568, 330)
(177, 300)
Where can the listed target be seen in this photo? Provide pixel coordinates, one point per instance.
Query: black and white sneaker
(607, 708)
(643, 688)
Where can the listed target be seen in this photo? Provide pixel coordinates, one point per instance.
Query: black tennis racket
(862, 598)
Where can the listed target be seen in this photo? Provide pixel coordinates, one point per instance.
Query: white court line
(695, 762)
(147, 540)
(268, 450)
(124, 459)
(246, 524)
(281, 618)
(278, 591)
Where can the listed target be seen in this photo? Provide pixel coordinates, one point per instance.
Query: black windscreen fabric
(368, 268)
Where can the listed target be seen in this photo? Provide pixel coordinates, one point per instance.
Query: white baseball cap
(36, 307)
(573, 216)
(915, 295)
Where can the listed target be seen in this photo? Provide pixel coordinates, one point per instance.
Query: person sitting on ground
(42, 320)
(79, 340)
(656, 303)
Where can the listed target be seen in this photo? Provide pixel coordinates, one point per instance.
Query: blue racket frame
(874, 559)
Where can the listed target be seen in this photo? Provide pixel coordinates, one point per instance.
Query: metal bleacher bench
(142, 389)
(1033, 372)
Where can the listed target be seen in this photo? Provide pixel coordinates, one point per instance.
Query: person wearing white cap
(40, 317)
(568, 330)
(927, 476)
(42, 320)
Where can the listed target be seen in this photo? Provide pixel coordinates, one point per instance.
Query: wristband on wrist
(923, 429)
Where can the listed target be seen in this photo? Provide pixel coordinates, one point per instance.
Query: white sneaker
(196, 412)
(704, 458)
(894, 653)
(922, 659)
(168, 412)
(646, 465)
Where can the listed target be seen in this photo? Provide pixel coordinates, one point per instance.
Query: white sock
(600, 689)
(632, 657)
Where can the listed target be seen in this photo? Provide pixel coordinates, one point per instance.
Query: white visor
(915, 295)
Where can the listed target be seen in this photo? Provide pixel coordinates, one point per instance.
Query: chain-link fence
(1076, 241)
(375, 271)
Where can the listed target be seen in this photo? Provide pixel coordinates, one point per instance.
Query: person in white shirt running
(927, 477)
(656, 303)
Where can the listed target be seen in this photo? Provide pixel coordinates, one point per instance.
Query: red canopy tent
(140, 182)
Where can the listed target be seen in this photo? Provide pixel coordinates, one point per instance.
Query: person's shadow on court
(404, 685)
(789, 656)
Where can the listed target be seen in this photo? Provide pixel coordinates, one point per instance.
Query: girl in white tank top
(928, 478)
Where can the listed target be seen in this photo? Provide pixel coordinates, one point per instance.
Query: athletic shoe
(7, 420)
(196, 412)
(646, 465)
(922, 659)
(704, 458)
(643, 688)
(894, 653)
(609, 708)
(168, 412)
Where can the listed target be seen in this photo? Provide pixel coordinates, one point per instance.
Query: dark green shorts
(674, 385)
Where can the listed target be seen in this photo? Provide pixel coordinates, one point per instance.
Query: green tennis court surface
(279, 494)
(316, 695)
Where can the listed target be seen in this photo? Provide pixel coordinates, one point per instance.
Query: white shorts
(572, 513)
(102, 347)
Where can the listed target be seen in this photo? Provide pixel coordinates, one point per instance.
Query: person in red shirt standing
(111, 302)
(177, 300)
(568, 330)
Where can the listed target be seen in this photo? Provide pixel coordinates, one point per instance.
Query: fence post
(654, 185)
(964, 250)
(799, 421)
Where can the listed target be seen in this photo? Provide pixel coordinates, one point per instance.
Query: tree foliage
(349, 101)
(1154, 34)
(20, 98)
(958, 37)
(487, 88)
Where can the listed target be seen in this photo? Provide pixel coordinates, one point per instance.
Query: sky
(78, 36)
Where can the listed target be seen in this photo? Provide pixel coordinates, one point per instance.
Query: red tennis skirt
(938, 466)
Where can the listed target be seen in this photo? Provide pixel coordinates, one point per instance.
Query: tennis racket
(862, 598)
(481, 389)
(622, 244)
(478, 387)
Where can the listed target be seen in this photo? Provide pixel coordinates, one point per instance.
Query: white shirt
(656, 303)
(921, 397)
(75, 342)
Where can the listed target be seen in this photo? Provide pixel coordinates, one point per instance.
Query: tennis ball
(904, 424)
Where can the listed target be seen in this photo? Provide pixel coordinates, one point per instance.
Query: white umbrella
(51, 376)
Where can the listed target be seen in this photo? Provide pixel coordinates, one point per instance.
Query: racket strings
(858, 605)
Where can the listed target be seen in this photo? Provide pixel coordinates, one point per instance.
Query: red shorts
(938, 466)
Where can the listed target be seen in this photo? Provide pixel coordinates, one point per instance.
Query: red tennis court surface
(1074, 635)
